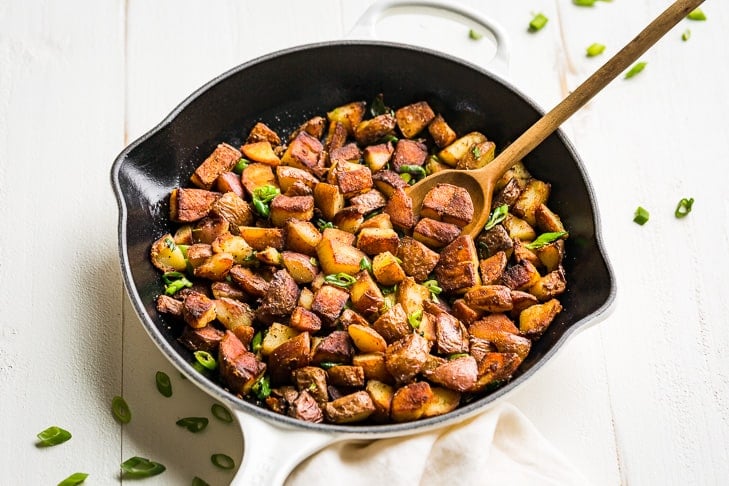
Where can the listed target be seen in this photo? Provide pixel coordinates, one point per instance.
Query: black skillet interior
(285, 89)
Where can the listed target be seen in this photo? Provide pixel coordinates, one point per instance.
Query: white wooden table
(641, 398)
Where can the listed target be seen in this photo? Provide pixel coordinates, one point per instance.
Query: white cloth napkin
(499, 447)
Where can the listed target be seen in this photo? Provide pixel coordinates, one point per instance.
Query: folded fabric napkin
(498, 447)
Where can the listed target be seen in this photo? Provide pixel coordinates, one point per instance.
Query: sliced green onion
(328, 364)
(193, 424)
(262, 387)
(164, 385)
(414, 170)
(222, 461)
(641, 215)
(257, 342)
(696, 14)
(266, 193)
(170, 243)
(378, 107)
(415, 318)
(322, 224)
(340, 279)
(314, 261)
(241, 165)
(453, 356)
(686, 35)
(74, 479)
(261, 208)
(472, 34)
(175, 281)
(595, 49)
(476, 152)
(196, 481)
(684, 207)
(497, 216)
(433, 288)
(221, 413)
(584, 3)
(139, 467)
(365, 264)
(538, 22)
(120, 410)
(637, 68)
(406, 177)
(545, 239)
(53, 436)
(206, 360)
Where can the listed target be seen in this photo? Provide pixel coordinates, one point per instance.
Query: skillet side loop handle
(365, 27)
(271, 452)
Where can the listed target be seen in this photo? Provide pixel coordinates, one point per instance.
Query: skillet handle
(365, 27)
(271, 451)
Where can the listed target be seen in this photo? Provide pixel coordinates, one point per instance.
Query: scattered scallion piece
(637, 68)
(193, 424)
(472, 34)
(206, 360)
(221, 413)
(390, 138)
(686, 35)
(196, 481)
(139, 467)
(175, 281)
(262, 387)
(222, 461)
(415, 171)
(257, 342)
(595, 49)
(406, 177)
(641, 215)
(327, 365)
(120, 410)
(433, 288)
(696, 14)
(453, 356)
(240, 165)
(323, 224)
(164, 385)
(340, 279)
(365, 264)
(415, 318)
(74, 479)
(584, 3)
(545, 239)
(684, 207)
(262, 197)
(497, 216)
(538, 22)
(53, 436)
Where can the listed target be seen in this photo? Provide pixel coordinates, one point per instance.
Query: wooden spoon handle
(546, 125)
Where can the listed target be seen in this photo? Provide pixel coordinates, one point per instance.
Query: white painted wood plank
(61, 121)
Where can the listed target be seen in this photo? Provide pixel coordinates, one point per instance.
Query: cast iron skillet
(286, 88)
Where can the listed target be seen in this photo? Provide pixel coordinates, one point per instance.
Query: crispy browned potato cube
(335, 348)
(417, 259)
(166, 255)
(284, 208)
(507, 194)
(495, 366)
(489, 298)
(374, 241)
(408, 152)
(303, 319)
(314, 126)
(465, 313)
(521, 252)
(338, 236)
(290, 355)
(169, 305)
(329, 199)
(387, 182)
(457, 268)
(374, 366)
(234, 314)
(299, 266)
(435, 234)
(492, 268)
(534, 194)
(520, 276)
(352, 178)
(387, 270)
(209, 228)
(239, 368)
(393, 324)
(518, 228)
(459, 374)
(280, 299)
(257, 175)
(233, 209)
(448, 203)
(277, 335)
(287, 176)
(262, 238)
(410, 402)
(349, 115)
(261, 132)
(548, 221)
(369, 201)
(252, 283)
(336, 136)
(346, 375)
(381, 394)
(303, 153)
(442, 133)
(216, 267)
(306, 297)
(348, 219)
(379, 220)
(270, 256)
(505, 341)
(451, 335)
(350, 317)
(377, 156)
(521, 300)
(477, 156)
(549, 286)
(234, 245)
(261, 152)
(411, 295)
(368, 132)
(551, 255)
(329, 302)
(189, 205)
(400, 209)
(433, 165)
(458, 149)
(366, 339)
(494, 240)
(223, 158)
(534, 320)
(346, 153)
(198, 310)
(412, 119)
(337, 257)
(519, 172)
(366, 296)
(302, 236)
(442, 402)
(406, 357)
(354, 407)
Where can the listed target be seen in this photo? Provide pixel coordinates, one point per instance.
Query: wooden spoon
(480, 182)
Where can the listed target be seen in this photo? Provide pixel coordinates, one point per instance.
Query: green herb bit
(641, 215)
(365, 264)
(684, 207)
(206, 360)
(241, 165)
(53, 436)
(257, 342)
(538, 22)
(262, 387)
(390, 138)
(340, 279)
(686, 35)
(328, 365)
(433, 288)
(595, 49)
(472, 34)
(378, 107)
(415, 319)
(637, 68)
(221, 413)
(545, 239)
(174, 282)
(406, 177)
(193, 424)
(266, 193)
(74, 479)
(497, 216)
(164, 385)
(261, 208)
(170, 243)
(139, 467)
(414, 170)
(453, 356)
(476, 152)
(322, 224)
(120, 410)
(696, 14)
(196, 481)
(222, 461)
(584, 3)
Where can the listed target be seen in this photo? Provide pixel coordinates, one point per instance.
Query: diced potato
(261, 132)
(374, 366)
(302, 236)
(520, 276)
(336, 136)
(417, 259)
(304, 153)
(495, 240)
(521, 252)
(459, 374)
(400, 209)
(183, 235)
(234, 314)
(412, 119)
(408, 152)
(348, 219)
(349, 115)
(387, 182)
(369, 201)
(299, 266)
(189, 205)
(443, 401)
(465, 313)
(338, 236)
(306, 298)
(335, 348)
(336, 257)
(216, 267)
(457, 268)
(346, 154)
(386, 269)
(505, 342)
(495, 367)
(288, 356)
(534, 195)
(287, 176)
(518, 172)
(261, 152)
(209, 228)
(518, 228)
(233, 209)
(377, 156)
(314, 126)
(250, 282)
(354, 407)
(489, 298)
(534, 320)
(346, 376)
(547, 221)
(303, 319)
(329, 199)
(366, 339)
(366, 296)
(350, 317)
(477, 156)
(551, 255)
(549, 286)
(284, 208)
(374, 241)
(329, 301)
(448, 203)
(223, 158)
(368, 132)
(393, 324)
(261, 238)
(381, 220)
(353, 178)
(411, 295)
(433, 165)
(459, 148)
(167, 256)
(435, 234)
(381, 394)
(507, 194)
(257, 175)
(277, 335)
(521, 300)
(198, 310)
(442, 133)
(234, 245)
(492, 268)
(410, 402)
